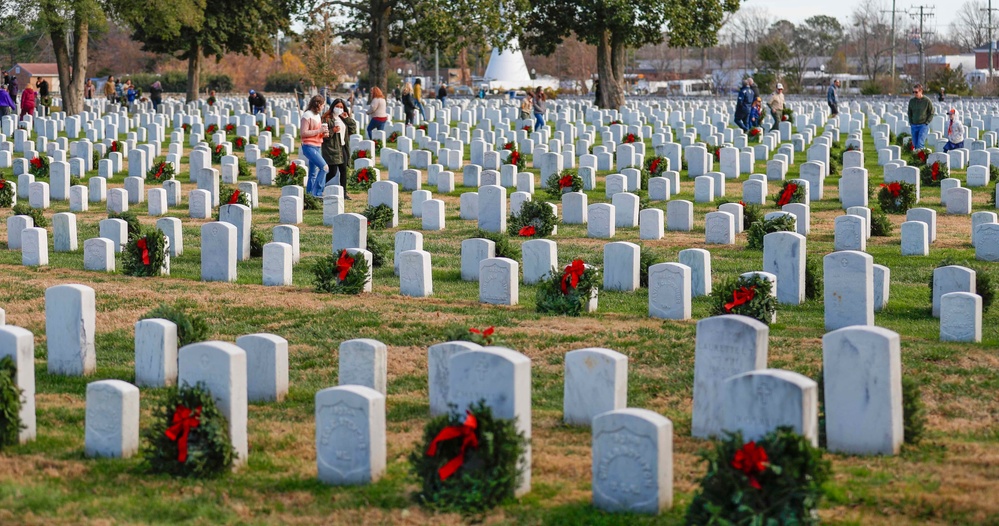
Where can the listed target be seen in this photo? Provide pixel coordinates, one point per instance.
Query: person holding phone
(335, 145)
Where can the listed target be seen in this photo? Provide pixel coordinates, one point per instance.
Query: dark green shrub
(128, 216)
(10, 404)
(813, 278)
(913, 410)
(380, 249)
(504, 248)
(191, 328)
(881, 225)
(281, 82)
(22, 209)
(756, 231)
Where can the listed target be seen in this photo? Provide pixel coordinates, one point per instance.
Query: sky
(798, 10)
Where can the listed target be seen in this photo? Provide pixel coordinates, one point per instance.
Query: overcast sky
(798, 10)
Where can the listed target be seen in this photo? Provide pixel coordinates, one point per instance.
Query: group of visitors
(123, 92)
(325, 142)
(32, 98)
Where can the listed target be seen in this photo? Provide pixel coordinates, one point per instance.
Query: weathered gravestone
(70, 312)
(596, 381)
(112, 419)
(632, 461)
(350, 435)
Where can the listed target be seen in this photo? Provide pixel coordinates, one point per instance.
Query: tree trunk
(618, 58)
(63, 66)
(194, 72)
(378, 44)
(611, 87)
(72, 71)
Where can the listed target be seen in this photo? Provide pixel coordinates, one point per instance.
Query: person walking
(313, 133)
(743, 103)
(88, 89)
(130, 93)
(156, 95)
(941, 96)
(526, 105)
(27, 102)
(776, 105)
(299, 89)
(955, 132)
(7, 105)
(920, 115)
(43, 102)
(408, 103)
(539, 109)
(377, 110)
(442, 94)
(755, 113)
(119, 91)
(418, 95)
(336, 152)
(831, 99)
(109, 89)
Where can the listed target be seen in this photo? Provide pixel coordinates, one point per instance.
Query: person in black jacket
(156, 95)
(257, 102)
(408, 102)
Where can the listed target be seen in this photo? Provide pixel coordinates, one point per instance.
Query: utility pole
(925, 12)
(893, 43)
(991, 42)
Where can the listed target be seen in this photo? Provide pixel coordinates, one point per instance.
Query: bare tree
(970, 27)
(745, 30)
(871, 34)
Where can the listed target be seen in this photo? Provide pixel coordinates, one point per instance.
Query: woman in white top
(313, 132)
(378, 110)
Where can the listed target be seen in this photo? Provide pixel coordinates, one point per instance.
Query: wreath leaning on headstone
(362, 179)
(239, 144)
(567, 292)
(790, 192)
(777, 480)
(897, 197)
(516, 158)
(563, 182)
(294, 174)
(379, 217)
(36, 215)
(6, 193)
(39, 166)
(760, 228)
(161, 171)
(932, 174)
(468, 463)
(233, 196)
(10, 404)
(535, 220)
(341, 274)
(189, 436)
(217, 153)
(146, 255)
(746, 295)
(278, 156)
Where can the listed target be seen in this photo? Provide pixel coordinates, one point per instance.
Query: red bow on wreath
(527, 231)
(754, 132)
(144, 247)
(751, 460)
(654, 166)
(894, 188)
(718, 154)
(571, 275)
(159, 172)
(741, 296)
(343, 265)
(787, 194)
(36, 162)
(508, 146)
(466, 432)
(362, 175)
(275, 151)
(184, 420)
(485, 334)
(2, 182)
(514, 157)
(565, 182)
(935, 170)
(235, 198)
(362, 154)
(921, 155)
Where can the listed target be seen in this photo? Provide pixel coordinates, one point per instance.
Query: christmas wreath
(239, 144)
(932, 174)
(269, 129)
(786, 114)
(146, 255)
(114, 147)
(278, 155)
(393, 138)
(516, 158)
(422, 127)
(230, 129)
(746, 295)
(189, 436)
(132, 220)
(10, 404)
(212, 128)
(379, 217)
(760, 228)
(918, 157)
(790, 192)
(756, 135)
(211, 101)
(362, 179)
(343, 274)
(468, 463)
(777, 480)
(715, 151)
(161, 171)
(897, 197)
(528, 129)
(39, 167)
(185, 127)
(218, 152)
(535, 220)
(232, 196)
(569, 292)
(243, 168)
(293, 174)
(612, 123)
(36, 215)
(629, 139)
(359, 154)
(563, 182)
(656, 166)
(6, 193)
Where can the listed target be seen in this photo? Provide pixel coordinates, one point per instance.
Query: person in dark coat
(336, 150)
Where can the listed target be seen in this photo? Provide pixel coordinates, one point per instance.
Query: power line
(991, 42)
(925, 11)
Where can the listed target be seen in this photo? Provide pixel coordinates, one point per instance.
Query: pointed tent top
(507, 69)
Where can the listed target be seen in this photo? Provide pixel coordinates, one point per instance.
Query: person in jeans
(776, 105)
(335, 145)
(313, 133)
(920, 115)
(832, 100)
(418, 95)
(408, 103)
(539, 109)
(955, 132)
(377, 110)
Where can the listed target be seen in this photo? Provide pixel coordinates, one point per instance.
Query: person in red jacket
(27, 102)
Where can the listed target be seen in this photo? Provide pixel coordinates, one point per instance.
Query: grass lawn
(951, 477)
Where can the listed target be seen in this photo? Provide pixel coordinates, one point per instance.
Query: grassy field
(951, 477)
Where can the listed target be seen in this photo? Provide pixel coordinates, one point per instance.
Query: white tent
(507, 69)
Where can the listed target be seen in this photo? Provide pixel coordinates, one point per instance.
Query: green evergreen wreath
(294, 174)
(328, 271)
(897, 197)
(490, 472)
(217, 153)
(39, 167)
(379, 217)
(360, 154)
(362, 179)
(563, 182)
(504, 248)
(380, 249)
(932, 174)
(36, 215)
(790, 192)
(232, 196)
(777, 480)
(916, 157)
(756, 231)
(161, 171)
(244, 168)
(278, 155)
(144, 256)
(128, 216)
(209, 450)
(516, 158)
(311, 202)
(535, 220)
(191, 328)
(748, 296)
(6, 193)
(239, 144)
(558, 295)
(10, 404)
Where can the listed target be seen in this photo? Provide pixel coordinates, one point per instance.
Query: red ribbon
(527, 231)
(935, 170)
(514, 157)
(571, 275)
(466, 432)
(894, 188)
(362, 154)
(235, 198)
(922, 156)
(362, 175)
(160, 171)
(751, 460)
(787, 194)
(275, 151)
(754, 132)
(565, 182)
(239, 142)
(2, 183)
(485, 334)
(114, 146)
(36, 162)
(654, 166)
(631, 138)
(740, 296)
(343, 265)
(184, 420)
(145, 250)
(718, 154)
(508, 146)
